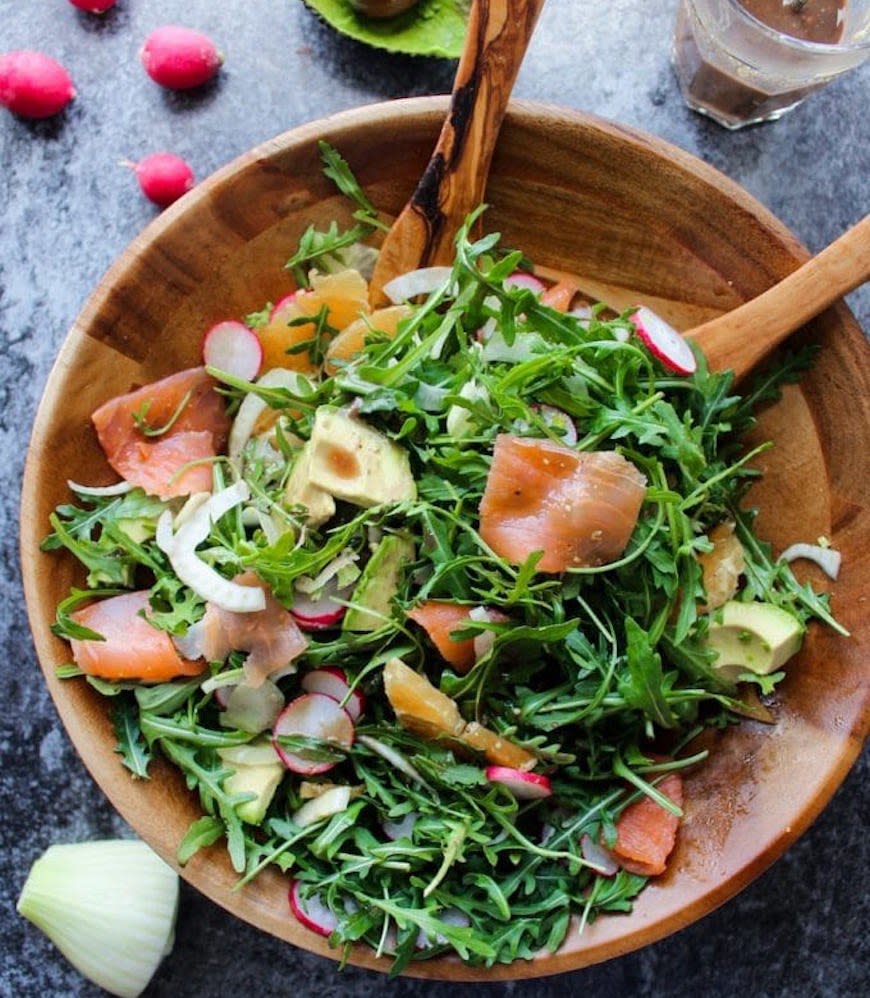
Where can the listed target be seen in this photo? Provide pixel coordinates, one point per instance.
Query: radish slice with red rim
(524, 786)
(312, 911)
(664, 342)
(332, 682)
(281, 306)
(313, 715)
(233, 347)
(317, 614)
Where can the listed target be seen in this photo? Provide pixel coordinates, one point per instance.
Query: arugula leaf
(203, 832)
(133, 749)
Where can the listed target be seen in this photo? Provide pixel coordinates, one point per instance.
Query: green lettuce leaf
(432, 27)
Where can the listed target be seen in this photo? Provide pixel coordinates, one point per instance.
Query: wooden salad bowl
(638, 220)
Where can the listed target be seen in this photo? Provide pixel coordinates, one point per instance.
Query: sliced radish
(416, 282)
(311, 911)
(318, 614)
(523, 279)
(597, 857)
(313, 715)
(664, 342)
(332, 682)
(524, 786)
(330, 802)
(233, 347)
(281, 306)
(402, 828)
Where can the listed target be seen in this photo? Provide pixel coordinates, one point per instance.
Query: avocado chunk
(753, 637)
(261, 780)
(300, 491)
(354, 462)
(378, 584)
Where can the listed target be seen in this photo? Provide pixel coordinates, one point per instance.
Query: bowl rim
(430, 108)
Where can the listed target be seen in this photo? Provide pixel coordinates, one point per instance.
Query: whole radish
(180, 58)
(33, 84)
(94, 6)
(163, 177)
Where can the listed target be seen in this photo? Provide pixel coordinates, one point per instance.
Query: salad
(429, 603)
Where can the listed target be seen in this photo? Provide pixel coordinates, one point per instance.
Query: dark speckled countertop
(67, 209)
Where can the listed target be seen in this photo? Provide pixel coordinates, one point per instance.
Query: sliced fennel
(108, 906)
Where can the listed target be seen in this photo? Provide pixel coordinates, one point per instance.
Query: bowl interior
(637, 220)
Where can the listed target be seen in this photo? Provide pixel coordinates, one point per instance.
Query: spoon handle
(454, 182)
(739, 339)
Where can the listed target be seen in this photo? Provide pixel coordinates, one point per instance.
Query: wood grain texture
(580, 195)
(454, 181)
(739, 340)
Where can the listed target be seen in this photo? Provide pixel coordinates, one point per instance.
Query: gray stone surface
(66, 210)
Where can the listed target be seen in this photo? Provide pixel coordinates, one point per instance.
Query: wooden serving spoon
(741, 338)
(454, 181)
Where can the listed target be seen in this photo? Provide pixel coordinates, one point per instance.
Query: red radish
(180, 58)
(523, 279)
(94, 6)
(311, 911)
(233, 347)
(280, 306)
(33, 84)
(163, 177)
(332, 682)
(313, 715)
(598, 858)
(524, 786)
(319, 614)
(664, 342)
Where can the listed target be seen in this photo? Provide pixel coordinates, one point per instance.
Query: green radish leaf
(431, 28)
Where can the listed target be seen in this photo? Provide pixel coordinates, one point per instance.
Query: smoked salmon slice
(270, 636)
(578, 508)
(198, 426)
(133, 648)
(646, 832)
(439, 620)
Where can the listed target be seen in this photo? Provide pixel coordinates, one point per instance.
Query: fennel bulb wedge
(108, 906)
